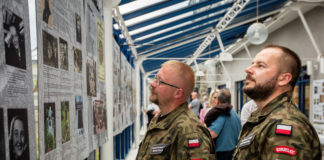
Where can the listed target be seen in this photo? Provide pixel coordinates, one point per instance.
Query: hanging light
(257, 33)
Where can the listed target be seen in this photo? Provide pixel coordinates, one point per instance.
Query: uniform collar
(259, 115)
(166, 122)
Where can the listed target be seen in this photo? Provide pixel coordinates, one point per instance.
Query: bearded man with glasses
(176, 133)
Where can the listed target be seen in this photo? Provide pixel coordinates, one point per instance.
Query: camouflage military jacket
(278, 132)
(179, 136)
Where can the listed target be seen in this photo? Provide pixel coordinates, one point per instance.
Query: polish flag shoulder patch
(284, 129)
(285, 150)
(193, 143)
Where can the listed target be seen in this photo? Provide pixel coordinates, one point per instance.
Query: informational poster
(71, 82)
(95, 77)
(16, 87)
(318, 101)
(116, 82)
(122, 97)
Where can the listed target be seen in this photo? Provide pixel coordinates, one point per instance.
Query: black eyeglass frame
(158, 82)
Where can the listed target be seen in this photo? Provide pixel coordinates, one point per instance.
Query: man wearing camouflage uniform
(176, 133)
(277, 130)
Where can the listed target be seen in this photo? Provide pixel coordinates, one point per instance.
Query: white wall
(292, 35)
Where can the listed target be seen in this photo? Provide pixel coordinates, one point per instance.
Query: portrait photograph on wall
(78, 28)
(77, 60)
(2, 141)
(65, 121)
(46, 7)
(18, 134)
(91, 77)
(14, 39)
(64, 61)
(50, 127)
(50, 50)
(79, 115)
(99, 116)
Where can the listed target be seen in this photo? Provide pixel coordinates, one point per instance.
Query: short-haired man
(225, 125)
(277, 130)
(176, 133)
(195, 103)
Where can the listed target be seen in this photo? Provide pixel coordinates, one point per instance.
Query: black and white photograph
(18, 134)
(14, 39)
(91, 77)
(77, 60)
(64, 61)
(47, 12)
(50, 51)
(78, 28)
(79, 115)
(50, 127)
(2, 141)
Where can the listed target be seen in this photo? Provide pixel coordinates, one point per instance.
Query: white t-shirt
(247, 109)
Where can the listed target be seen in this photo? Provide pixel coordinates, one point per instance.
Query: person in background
(176, 133)
(208, 105)
(195, 103)
(277, 130)
(205, 101)
(226, 125)
(247, 109)
(151, 111)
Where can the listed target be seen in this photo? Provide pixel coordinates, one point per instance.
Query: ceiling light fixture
(257, 33)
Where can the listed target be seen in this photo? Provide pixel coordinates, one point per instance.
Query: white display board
(72, 101)
(16, 87)
(318, 101)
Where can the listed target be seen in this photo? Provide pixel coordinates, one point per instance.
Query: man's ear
(179, 93)
(284, 79)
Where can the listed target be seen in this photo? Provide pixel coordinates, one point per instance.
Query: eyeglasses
(158, 82)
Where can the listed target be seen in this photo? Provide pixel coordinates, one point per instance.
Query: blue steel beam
(188, 49)
(244, 12)
(183, 20)
(125, 2)
(170, 15)
(182, 37)
(190, 31)
(149, 9)
(230, 35)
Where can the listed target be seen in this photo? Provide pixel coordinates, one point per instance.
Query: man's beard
(260, 91)
(153, 98)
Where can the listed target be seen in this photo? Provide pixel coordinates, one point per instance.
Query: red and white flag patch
(285, 150)
(283, 129)
(193, 143)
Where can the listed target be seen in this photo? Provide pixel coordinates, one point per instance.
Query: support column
(138, 102)
(107, 148)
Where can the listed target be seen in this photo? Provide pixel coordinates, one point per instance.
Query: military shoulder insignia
(246, 141)
(285, 150)
(283, 129)
(193, 143)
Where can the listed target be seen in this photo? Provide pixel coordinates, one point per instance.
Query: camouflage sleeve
(290, 139)
(195, 146)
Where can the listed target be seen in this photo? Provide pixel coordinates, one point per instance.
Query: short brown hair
(290, 62)
(184, 71)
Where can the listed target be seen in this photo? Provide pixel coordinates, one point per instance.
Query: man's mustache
(249, 77)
